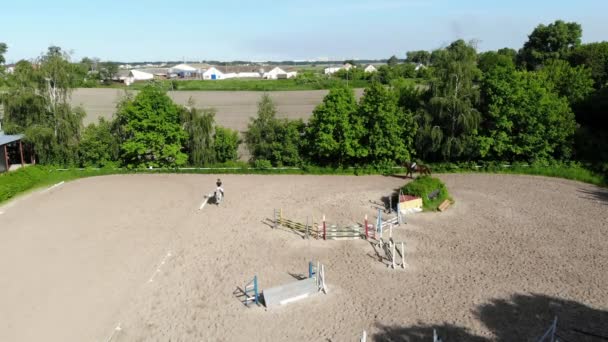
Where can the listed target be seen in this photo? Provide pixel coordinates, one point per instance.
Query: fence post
(324, 229)
(310, 273)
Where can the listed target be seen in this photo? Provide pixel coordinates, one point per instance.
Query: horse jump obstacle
(301, 229)
(290, 292)
(299, 289)
(397, 220)
(323, 231)
(251, 292)
(390, 250)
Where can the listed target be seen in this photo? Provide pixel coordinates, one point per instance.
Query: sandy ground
(134, 251)
(234, 108)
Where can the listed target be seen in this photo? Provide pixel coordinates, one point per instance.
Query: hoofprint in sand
(514, 251)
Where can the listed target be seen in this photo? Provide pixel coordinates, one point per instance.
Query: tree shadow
(525, 317)
(598, 194)
(522, 317)
(424, 333)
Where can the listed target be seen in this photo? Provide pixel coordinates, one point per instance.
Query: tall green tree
(262, 130)
(151, 130)
(573, 83)
(387, 137)
(595, 57)
(99, 146)
(333, 133)
(449, 126)
(274, 140)
(198, 124)
(392, 61)
(37, 104)
(419, 57)
(226, 144)
(546, 42)
(3, 49)
(526, 120)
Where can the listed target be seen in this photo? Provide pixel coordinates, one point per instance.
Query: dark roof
(7, 139)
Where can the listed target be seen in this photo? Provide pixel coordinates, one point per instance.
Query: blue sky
(137, 30)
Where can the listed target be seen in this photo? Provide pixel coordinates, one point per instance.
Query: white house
(331, 70)
(248, 75)
(213, 74)
(292, 74)
(275, 74)
(370, 69)
(347, 66)
(136, 75)
(184, 70)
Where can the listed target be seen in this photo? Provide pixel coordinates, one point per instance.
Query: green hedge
(425, 185)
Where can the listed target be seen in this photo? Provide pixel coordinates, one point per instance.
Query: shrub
(425, 185)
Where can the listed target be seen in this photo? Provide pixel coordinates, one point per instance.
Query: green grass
(34, 177)
(251, 84)
(425, 185)
(571, 170)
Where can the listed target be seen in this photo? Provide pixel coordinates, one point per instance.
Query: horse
(412, 167)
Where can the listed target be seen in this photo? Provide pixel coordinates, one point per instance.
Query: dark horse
(412, 167)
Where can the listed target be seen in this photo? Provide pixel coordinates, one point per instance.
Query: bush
(425, 185)
(262, 164)
(226, 144)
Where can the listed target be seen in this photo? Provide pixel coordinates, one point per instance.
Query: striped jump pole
(366, 228)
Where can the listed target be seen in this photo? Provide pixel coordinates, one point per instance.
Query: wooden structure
(444, 205)
(11, 149)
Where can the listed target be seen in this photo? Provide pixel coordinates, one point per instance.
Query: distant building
(213, 74)
(136, 75)
(184, 71)
(275, 73)
(370, 69)
(347, 66)
(420, 66)
(331, 70)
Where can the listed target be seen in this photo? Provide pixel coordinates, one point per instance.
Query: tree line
(542, 103)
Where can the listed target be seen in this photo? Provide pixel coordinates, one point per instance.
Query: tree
(99, 146)
(449, 125)
(491, 59)
(226, 144)
(273, 140)
(554, 41)
(150, 125)
(3, 49)
(387, 126)
(419, 57)
(37, 104)
(392, 61)
(261, 132)
(595, 57)
(332, 133)
(108, 72)
(525, 119)
(573, 83)
(198, 124)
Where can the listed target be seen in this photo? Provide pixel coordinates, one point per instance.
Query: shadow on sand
(523, 317)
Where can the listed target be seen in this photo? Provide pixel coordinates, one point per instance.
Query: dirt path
(512, 253)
